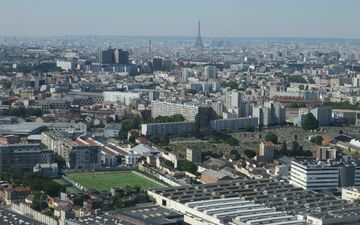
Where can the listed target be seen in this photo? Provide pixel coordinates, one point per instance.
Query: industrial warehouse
(255, 202)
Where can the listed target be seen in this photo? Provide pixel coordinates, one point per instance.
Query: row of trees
(131, 123)
(24, 112)
(295, 150)
(167, 119)
(185, 165)
(160, 140)
(43, 68)
(342, 105)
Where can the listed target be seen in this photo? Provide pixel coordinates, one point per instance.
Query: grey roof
(8, 217)
(271, 193)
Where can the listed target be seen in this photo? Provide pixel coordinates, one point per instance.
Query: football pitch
(117, 179)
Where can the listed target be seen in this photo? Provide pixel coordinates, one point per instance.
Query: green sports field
(106, 180)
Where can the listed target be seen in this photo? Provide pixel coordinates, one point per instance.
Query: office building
(121, 57)
(107, 56)
(319, 176)
(114, 56)
(157, 63)
(266, 152)
(23, 156)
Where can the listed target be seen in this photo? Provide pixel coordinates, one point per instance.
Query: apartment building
(76, 154)
(23, 156)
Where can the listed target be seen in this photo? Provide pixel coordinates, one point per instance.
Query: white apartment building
(233, 124)
(176, 128)
(122, 97)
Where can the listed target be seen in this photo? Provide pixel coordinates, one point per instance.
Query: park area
(115, 179)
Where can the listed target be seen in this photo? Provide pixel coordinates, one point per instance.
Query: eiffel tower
(199, 43)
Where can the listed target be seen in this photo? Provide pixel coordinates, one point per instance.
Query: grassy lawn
(69, 187)
(106, 180)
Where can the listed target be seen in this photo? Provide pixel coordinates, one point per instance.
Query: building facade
(23, 156)
(190, 110)
(235, 124)
(175, 129)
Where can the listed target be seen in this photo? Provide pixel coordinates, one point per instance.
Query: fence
(25, 209)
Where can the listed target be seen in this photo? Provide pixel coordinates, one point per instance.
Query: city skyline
(279, 18)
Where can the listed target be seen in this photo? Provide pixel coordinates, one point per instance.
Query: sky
(219, 18)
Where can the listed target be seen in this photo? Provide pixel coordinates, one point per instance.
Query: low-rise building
(47, 169)
(350, 193)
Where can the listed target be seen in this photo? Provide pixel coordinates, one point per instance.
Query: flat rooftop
(8, 217)
(270, 193)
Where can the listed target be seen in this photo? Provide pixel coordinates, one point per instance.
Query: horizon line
(176, 36)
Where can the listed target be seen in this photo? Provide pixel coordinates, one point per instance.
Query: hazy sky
(222, 18)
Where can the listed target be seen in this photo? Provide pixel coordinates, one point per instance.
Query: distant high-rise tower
(150, 53)
(199, 43)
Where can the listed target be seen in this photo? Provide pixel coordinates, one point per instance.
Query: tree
(39, 182)
(235, 155)
(60, 161)
(155, 139)
(310, 122)
(164, 140)
(317, 140)
(284, 148)
(271, 137)
(249, 153)
(129, 124)
(185, 165)
(132, 139)
(38, 202)
(232, 141)
(197, 123)
(249, 128)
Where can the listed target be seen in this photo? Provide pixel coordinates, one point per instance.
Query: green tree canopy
(185, 165)
(310, 122)
(271, 137)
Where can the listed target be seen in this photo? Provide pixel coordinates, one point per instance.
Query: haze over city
(226, 18)
(188, 112)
